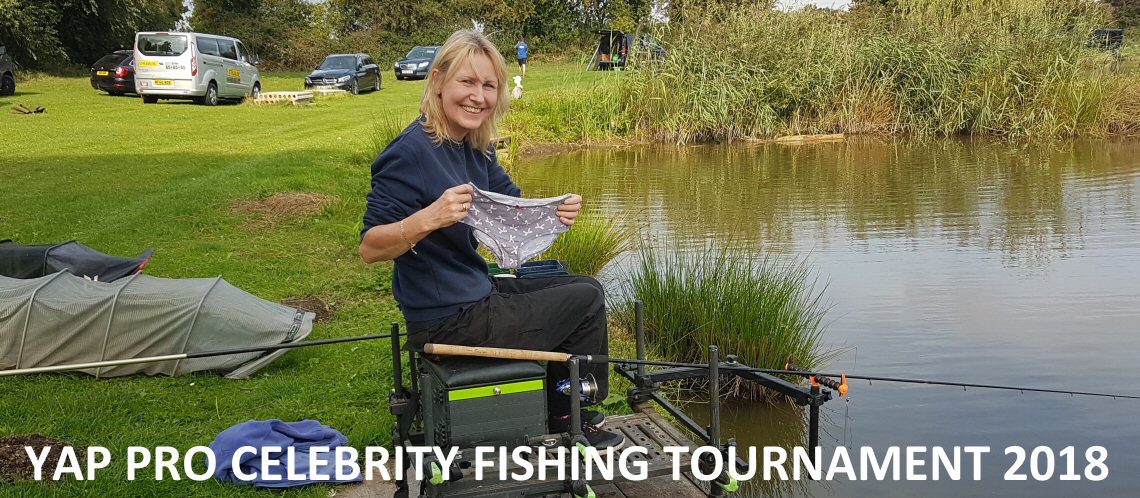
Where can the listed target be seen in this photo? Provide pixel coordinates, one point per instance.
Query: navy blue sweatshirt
(411, 173)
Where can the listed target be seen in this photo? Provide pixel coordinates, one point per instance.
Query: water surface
(979, 262)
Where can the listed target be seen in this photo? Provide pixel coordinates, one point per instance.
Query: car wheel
(147, 99)
(115, 94)
(256, 92)
(211, 96)
(8, 85)
(377, 83)
(398, 77)
(354, 87)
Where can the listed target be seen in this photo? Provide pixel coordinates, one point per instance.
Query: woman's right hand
(451, 206)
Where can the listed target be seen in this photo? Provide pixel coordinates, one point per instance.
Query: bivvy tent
(34, 261)
(62, 319)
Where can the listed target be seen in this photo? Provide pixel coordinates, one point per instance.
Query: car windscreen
(345, 62)
(162, 45)
(422, 53)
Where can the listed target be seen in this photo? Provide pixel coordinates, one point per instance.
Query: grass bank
(928, 67)
(269, 197)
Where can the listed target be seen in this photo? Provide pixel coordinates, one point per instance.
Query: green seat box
(480, 401)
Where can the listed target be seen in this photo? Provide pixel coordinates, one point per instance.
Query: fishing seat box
(482, 401)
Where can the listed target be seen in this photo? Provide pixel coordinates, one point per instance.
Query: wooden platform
(292, 97)
(645, 428)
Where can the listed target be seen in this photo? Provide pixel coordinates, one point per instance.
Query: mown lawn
(122, 176)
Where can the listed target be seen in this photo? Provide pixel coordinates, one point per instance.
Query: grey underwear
(514, 229)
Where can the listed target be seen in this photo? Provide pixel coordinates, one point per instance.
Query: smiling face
(468, 95)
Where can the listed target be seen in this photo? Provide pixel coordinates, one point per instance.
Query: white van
(194, 66)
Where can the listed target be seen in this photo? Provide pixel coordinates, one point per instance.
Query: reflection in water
(979, 262)
(997, 196)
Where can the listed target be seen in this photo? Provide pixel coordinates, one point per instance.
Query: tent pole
(183, 356)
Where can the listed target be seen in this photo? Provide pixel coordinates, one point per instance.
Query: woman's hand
(568, 210)
(451, 207)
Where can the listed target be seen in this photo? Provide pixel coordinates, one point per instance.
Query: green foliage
(44, 34)
(1013, 67)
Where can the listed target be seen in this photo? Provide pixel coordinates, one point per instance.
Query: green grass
(593, 242)
(761, 310)
(122, 176)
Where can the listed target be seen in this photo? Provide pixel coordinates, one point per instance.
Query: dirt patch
(14, 462)
(282, 206)
(311, 303)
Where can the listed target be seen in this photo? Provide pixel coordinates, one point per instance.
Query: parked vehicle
(7, 73)
(114, 73)
(352, 72)
(196, 66)
(417, 63)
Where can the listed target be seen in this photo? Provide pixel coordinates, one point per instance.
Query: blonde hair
(460, 48)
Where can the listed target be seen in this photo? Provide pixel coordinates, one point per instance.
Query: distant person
(522, 49)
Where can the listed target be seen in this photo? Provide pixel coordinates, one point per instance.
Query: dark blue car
(352, 72)
(417, 63)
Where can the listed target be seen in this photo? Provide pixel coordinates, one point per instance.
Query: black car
(417, 63)
(114, 73)
(352, 72)
(7, 73)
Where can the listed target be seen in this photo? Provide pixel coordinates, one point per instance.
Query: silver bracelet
(411, 245)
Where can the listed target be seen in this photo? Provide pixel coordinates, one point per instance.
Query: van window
(208, 46)
(227, 49)
(244, 53)
(162, 45)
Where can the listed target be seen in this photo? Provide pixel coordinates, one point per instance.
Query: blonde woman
(421, 189)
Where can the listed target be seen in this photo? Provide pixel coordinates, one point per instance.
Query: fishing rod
(823, 377)
(184, 356)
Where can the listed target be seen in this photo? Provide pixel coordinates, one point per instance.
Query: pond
(978, 262)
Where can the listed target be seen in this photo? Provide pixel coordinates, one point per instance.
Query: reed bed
(762, 310)
(924, 67)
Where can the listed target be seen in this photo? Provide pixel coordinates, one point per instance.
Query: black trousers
(565, 314)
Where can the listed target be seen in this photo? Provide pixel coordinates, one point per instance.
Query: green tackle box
(481, 401)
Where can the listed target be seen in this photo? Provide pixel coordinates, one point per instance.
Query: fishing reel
(588, 392)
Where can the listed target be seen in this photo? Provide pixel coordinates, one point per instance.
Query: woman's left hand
(568, 210)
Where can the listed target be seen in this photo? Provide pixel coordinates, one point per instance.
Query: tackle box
(482, 401)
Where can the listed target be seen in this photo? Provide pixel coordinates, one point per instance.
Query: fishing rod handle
(501, 353)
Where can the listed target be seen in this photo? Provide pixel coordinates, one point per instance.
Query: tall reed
(940, 67)
(762, 310)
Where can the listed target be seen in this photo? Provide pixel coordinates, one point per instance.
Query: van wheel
(8, 85)
(256, 92)
(354, 87)
(211, 96)
(150, 100)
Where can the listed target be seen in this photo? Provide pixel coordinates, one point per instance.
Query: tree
(1126, 12)
(50, 33)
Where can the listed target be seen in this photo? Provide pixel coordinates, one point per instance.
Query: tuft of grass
(592, 243)
(762, 310)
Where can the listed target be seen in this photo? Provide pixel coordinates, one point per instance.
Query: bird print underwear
(514, 229)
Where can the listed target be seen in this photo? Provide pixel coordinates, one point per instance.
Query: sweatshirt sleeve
(497, 178)
(396, 190)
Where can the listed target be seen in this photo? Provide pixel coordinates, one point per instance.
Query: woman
(421, 189)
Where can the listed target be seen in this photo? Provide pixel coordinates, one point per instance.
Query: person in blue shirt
(522, 49)
(421, 188)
